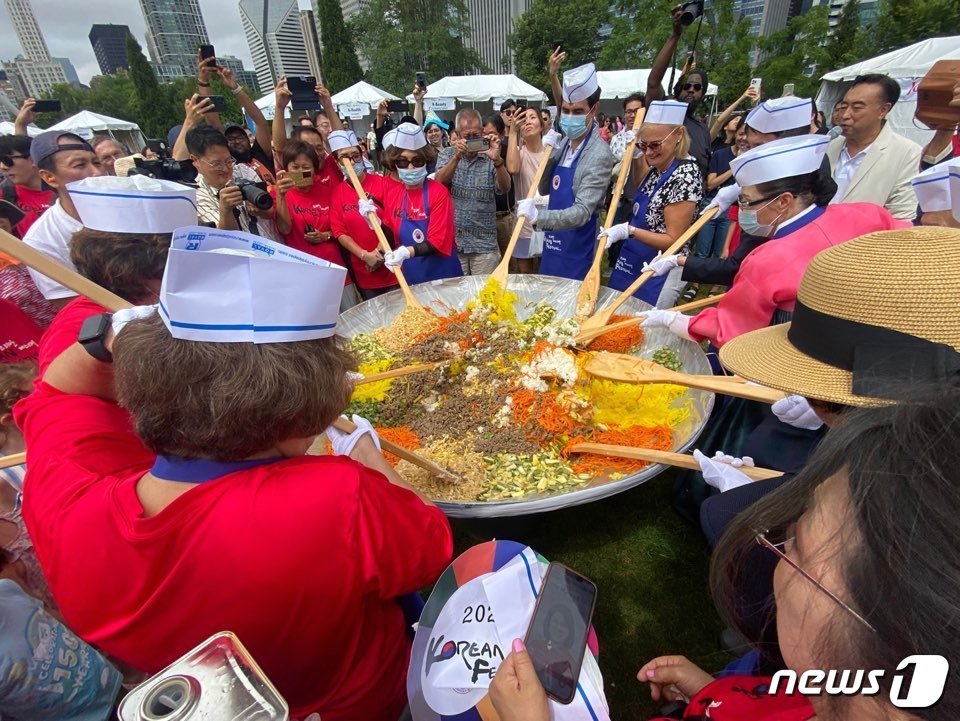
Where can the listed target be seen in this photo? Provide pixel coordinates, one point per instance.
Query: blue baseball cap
(48, 143)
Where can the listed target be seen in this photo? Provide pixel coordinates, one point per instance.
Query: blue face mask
(358, 168)
(751, 225)
(573, 126)
(412, 176)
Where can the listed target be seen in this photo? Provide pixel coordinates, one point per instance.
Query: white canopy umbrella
(907, 66)
(621, 83)
(86, 123)
(481, 88)
(8, 128)
(267, 104)
(362, 92)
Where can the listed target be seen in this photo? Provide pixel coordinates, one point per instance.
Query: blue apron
(420, 269)
(634, 254)
(568, 253)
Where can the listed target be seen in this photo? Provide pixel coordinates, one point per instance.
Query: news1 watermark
(917, 683)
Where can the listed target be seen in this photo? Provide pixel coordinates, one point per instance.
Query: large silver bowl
(561, 294)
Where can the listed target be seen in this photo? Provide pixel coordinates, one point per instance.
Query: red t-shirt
(19, 336)
(330, 174)
(345, 219)
(302, 559)
(32, 203)
(63, 331)
(440, 230)
(311, 206)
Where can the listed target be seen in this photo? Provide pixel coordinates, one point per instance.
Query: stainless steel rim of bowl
(561, 293)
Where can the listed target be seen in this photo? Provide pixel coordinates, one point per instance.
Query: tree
(847, 44)
(904, 22)
(575, 24)
(341, 69)
(724, 50)
(402, 37)
(155, 116)
(638, 30)
(796, 54)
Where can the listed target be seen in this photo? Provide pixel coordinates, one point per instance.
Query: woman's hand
(284, 183)
(752, 94)
(418, 93)
(372, 258)
(205, 69)
(516, 692)
(315, 237)
(673, 678)
(228, 78)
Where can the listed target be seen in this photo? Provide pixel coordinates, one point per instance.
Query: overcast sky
(65, 26)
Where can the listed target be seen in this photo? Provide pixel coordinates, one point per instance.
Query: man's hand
(195, 109)
(675, 16)
(322, 93)
(282, 93)
(722, 472)
(516, 692)
(493, 152)
(230, 197)
(556, 60)
(26, 115)
(673, 678)
(228, 78)
(527, 208)
(418, 93)
(461, 146)
(552, 138)
(205, 69)
(382, 111)
(284, 183)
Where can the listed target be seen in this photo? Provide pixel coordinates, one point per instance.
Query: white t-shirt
(51, 234)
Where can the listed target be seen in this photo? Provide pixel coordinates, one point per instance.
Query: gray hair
(468, 113)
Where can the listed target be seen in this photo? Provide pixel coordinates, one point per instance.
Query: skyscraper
(175, 29)
(490, 23)
(110, 46)
(311, 43)
(28, 30)
(35, 72)
(276, 41)
(244, 77)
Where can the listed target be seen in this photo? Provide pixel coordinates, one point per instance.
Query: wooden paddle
(602, 317)
(82, 286)
(630, 369)
(397, 373)
(385, 248)
(345, 426)
(588, 336)
(679, 460)
(590, 287)
(14, 459)
(502, 270)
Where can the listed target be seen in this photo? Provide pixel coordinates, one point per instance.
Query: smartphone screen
(46, 106)
(397, 106)
(206, 51)
(557, 636)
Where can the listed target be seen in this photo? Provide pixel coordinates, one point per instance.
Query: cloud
(66, 26)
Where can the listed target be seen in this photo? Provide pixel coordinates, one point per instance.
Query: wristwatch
(93, 333)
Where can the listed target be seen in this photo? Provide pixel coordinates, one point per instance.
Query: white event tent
(621, 83)
(483, 88)
(362, 92)
(8, 128)
(87, 124)
(907, 66)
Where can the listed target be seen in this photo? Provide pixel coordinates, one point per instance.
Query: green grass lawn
(650, 567)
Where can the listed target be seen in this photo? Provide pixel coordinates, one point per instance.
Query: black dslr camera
(255, 193)
(163, 167)
(691, 11)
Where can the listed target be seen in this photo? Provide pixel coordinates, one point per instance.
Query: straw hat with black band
(872, 314)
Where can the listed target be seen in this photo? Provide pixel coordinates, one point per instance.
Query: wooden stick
(41, 263)
(590, 287)
(14, 459)
(503, 270)
(397, 373)
(385, 248)
(345, 426)
(588, 336)
(679, 460)
(698, 304)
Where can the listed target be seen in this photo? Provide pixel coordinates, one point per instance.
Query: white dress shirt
(846, 168)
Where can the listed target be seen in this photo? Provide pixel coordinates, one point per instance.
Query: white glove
(721, 470)
(551, 138)
(365, 207)
(660, 265)
(527, 208)
(724, 198)
(614, 234)
(341, 444)
(796, 411)
(123, 316)
(396, 257)
(354, 378)
(628, 137)
(674, 321)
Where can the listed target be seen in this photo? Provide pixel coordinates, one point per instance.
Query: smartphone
(206, 51)
(788, 89)
(219, 104)
(301, 179)
(46, 106)
(422, 80)
(557, 46)
(557, 636)
(310, 229)
(477, 145)
(397, 106)
(303, 90)
(755, 83)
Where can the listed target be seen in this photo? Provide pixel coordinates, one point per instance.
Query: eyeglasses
(692, 86)
(352, 157)
(744, 204)
(220, 164)
(405, 163)
(656, 144)
(8, 159)
(774, 547)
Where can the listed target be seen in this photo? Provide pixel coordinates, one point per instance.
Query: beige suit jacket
(884, 175)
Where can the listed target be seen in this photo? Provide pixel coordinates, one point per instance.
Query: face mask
(750, 224)
(358, 168)
(412, 176)
(573, 125)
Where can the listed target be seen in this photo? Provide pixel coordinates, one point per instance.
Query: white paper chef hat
(341, 139)
(781, 158)
(779, 114)
(409, 137)
(390, 139)
(579, 83)
(666, 112)
(135, 204)
(232, 287)
(933, 187)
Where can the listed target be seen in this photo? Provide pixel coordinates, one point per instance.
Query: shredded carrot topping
(402, 436)
(658, 438)
(622, 340)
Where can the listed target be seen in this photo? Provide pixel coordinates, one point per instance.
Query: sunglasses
(762, 539)
(415, 163)
(8, 159)
(656, 144)
(693, 86)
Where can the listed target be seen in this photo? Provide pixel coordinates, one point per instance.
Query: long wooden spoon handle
(14, 459)
(345, 426)
(679, 460)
